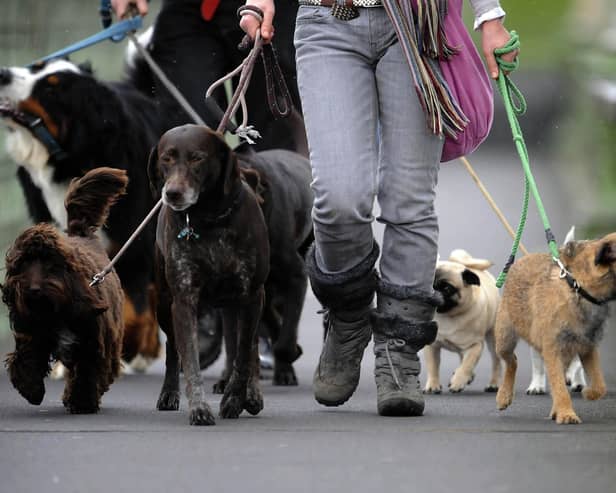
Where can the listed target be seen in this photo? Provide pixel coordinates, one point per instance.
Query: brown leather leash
(244, 131)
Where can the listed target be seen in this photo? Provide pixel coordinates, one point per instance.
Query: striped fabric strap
(423, 41)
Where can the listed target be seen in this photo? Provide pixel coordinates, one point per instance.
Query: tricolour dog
(62, 122)
(465, 320)
(54, 312)
(560, 311)
(213, 245)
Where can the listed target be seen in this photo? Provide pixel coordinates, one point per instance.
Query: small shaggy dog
(54, 312)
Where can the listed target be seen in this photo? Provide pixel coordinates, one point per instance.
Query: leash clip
(187, 232)
(563, 270)
(97, 279)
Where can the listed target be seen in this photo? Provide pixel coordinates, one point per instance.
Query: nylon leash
(515, 105)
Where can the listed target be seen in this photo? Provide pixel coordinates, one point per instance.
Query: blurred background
(567, 73)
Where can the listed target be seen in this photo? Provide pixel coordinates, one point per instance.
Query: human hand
(120, 7)
(494, 35)
(250, 24)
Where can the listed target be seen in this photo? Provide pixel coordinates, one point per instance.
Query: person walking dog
(368, 138)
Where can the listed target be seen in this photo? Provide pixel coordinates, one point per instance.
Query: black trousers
(194, 53)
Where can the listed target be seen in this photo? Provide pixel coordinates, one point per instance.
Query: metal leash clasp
(344, 12)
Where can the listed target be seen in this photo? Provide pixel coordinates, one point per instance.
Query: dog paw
(490, 388)
(231, 406)
(219, 387)
(457, 383)
(201, 415)
(567, 417)
(471, 378)
(254, 399)
(591, 394)
(81, 407)
(432, 389)
(284, 374)
(535, 390)
(503, 399)
(577, 388)
(168, 401)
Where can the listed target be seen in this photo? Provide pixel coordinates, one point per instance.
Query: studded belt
(344, 10)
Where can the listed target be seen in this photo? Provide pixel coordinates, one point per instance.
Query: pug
(465, 320)
(559, 307)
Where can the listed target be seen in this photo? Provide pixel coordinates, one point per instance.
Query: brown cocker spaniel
(54, 312)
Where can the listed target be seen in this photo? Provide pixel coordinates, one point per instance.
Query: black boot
(402, 324)
(347, 297)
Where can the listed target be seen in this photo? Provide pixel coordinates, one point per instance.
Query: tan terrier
(560, 311)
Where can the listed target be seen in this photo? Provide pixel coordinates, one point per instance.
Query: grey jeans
(368, 138)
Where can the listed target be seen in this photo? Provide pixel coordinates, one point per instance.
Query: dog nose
(173, 194)
(6, 76)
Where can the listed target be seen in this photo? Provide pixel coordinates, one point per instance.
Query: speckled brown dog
(559, 312)
(214, 252)
(55, 314)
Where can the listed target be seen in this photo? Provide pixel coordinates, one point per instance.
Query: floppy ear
(228, 162)
(153, 174)
(606, 254)
(469, 277)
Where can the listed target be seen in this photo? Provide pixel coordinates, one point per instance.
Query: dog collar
(36, 125)
(573, 284)
(188, 232)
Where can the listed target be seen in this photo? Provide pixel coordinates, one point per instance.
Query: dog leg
(254, 396)
(537, 382)
(286, 349)
(184, 312)
(591, 364)
(81, 392)
(464, 373)
(169, 397)
(575, 375)
(230, 337)
(432, 355)
(562, 408)
(496, 363)
(234, 399)
(27, 367)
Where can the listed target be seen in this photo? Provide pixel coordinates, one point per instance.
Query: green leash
(515, 105)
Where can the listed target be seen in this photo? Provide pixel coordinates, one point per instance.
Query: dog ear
(606, 254)
(569, 249)
(153, 175)
(470, 278)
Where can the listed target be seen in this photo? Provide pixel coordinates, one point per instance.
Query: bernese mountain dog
(63, 122)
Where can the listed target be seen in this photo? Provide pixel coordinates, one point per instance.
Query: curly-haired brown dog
(54, 313)
(560, 312)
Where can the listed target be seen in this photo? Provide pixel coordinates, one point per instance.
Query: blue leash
(115, 33)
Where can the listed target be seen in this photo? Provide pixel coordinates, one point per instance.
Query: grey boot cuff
(416, 334)
(402, 293)
(346, 291)
(405, 313)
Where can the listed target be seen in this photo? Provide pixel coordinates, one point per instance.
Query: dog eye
(196, 157)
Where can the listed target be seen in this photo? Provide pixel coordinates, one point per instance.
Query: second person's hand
(250, 24)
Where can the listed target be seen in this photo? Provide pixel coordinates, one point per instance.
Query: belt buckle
(344, 13)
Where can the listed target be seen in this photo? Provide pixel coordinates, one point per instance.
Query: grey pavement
(462, 443)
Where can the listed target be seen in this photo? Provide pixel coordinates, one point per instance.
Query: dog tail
(90, 197)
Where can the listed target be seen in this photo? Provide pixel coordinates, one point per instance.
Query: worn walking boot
(402, 325)
(347, 298)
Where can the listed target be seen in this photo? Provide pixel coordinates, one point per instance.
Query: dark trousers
(193, 53)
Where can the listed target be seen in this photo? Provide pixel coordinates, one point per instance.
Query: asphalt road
(462, 443)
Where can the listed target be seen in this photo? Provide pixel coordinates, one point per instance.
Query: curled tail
(90, 197)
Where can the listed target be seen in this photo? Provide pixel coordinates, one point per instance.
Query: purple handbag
(469, 84)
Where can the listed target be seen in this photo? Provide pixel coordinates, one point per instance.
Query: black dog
(214, 252)
(54, 312)
(63, 122)
(284, 187)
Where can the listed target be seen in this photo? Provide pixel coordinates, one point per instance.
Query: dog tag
(344, 13)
